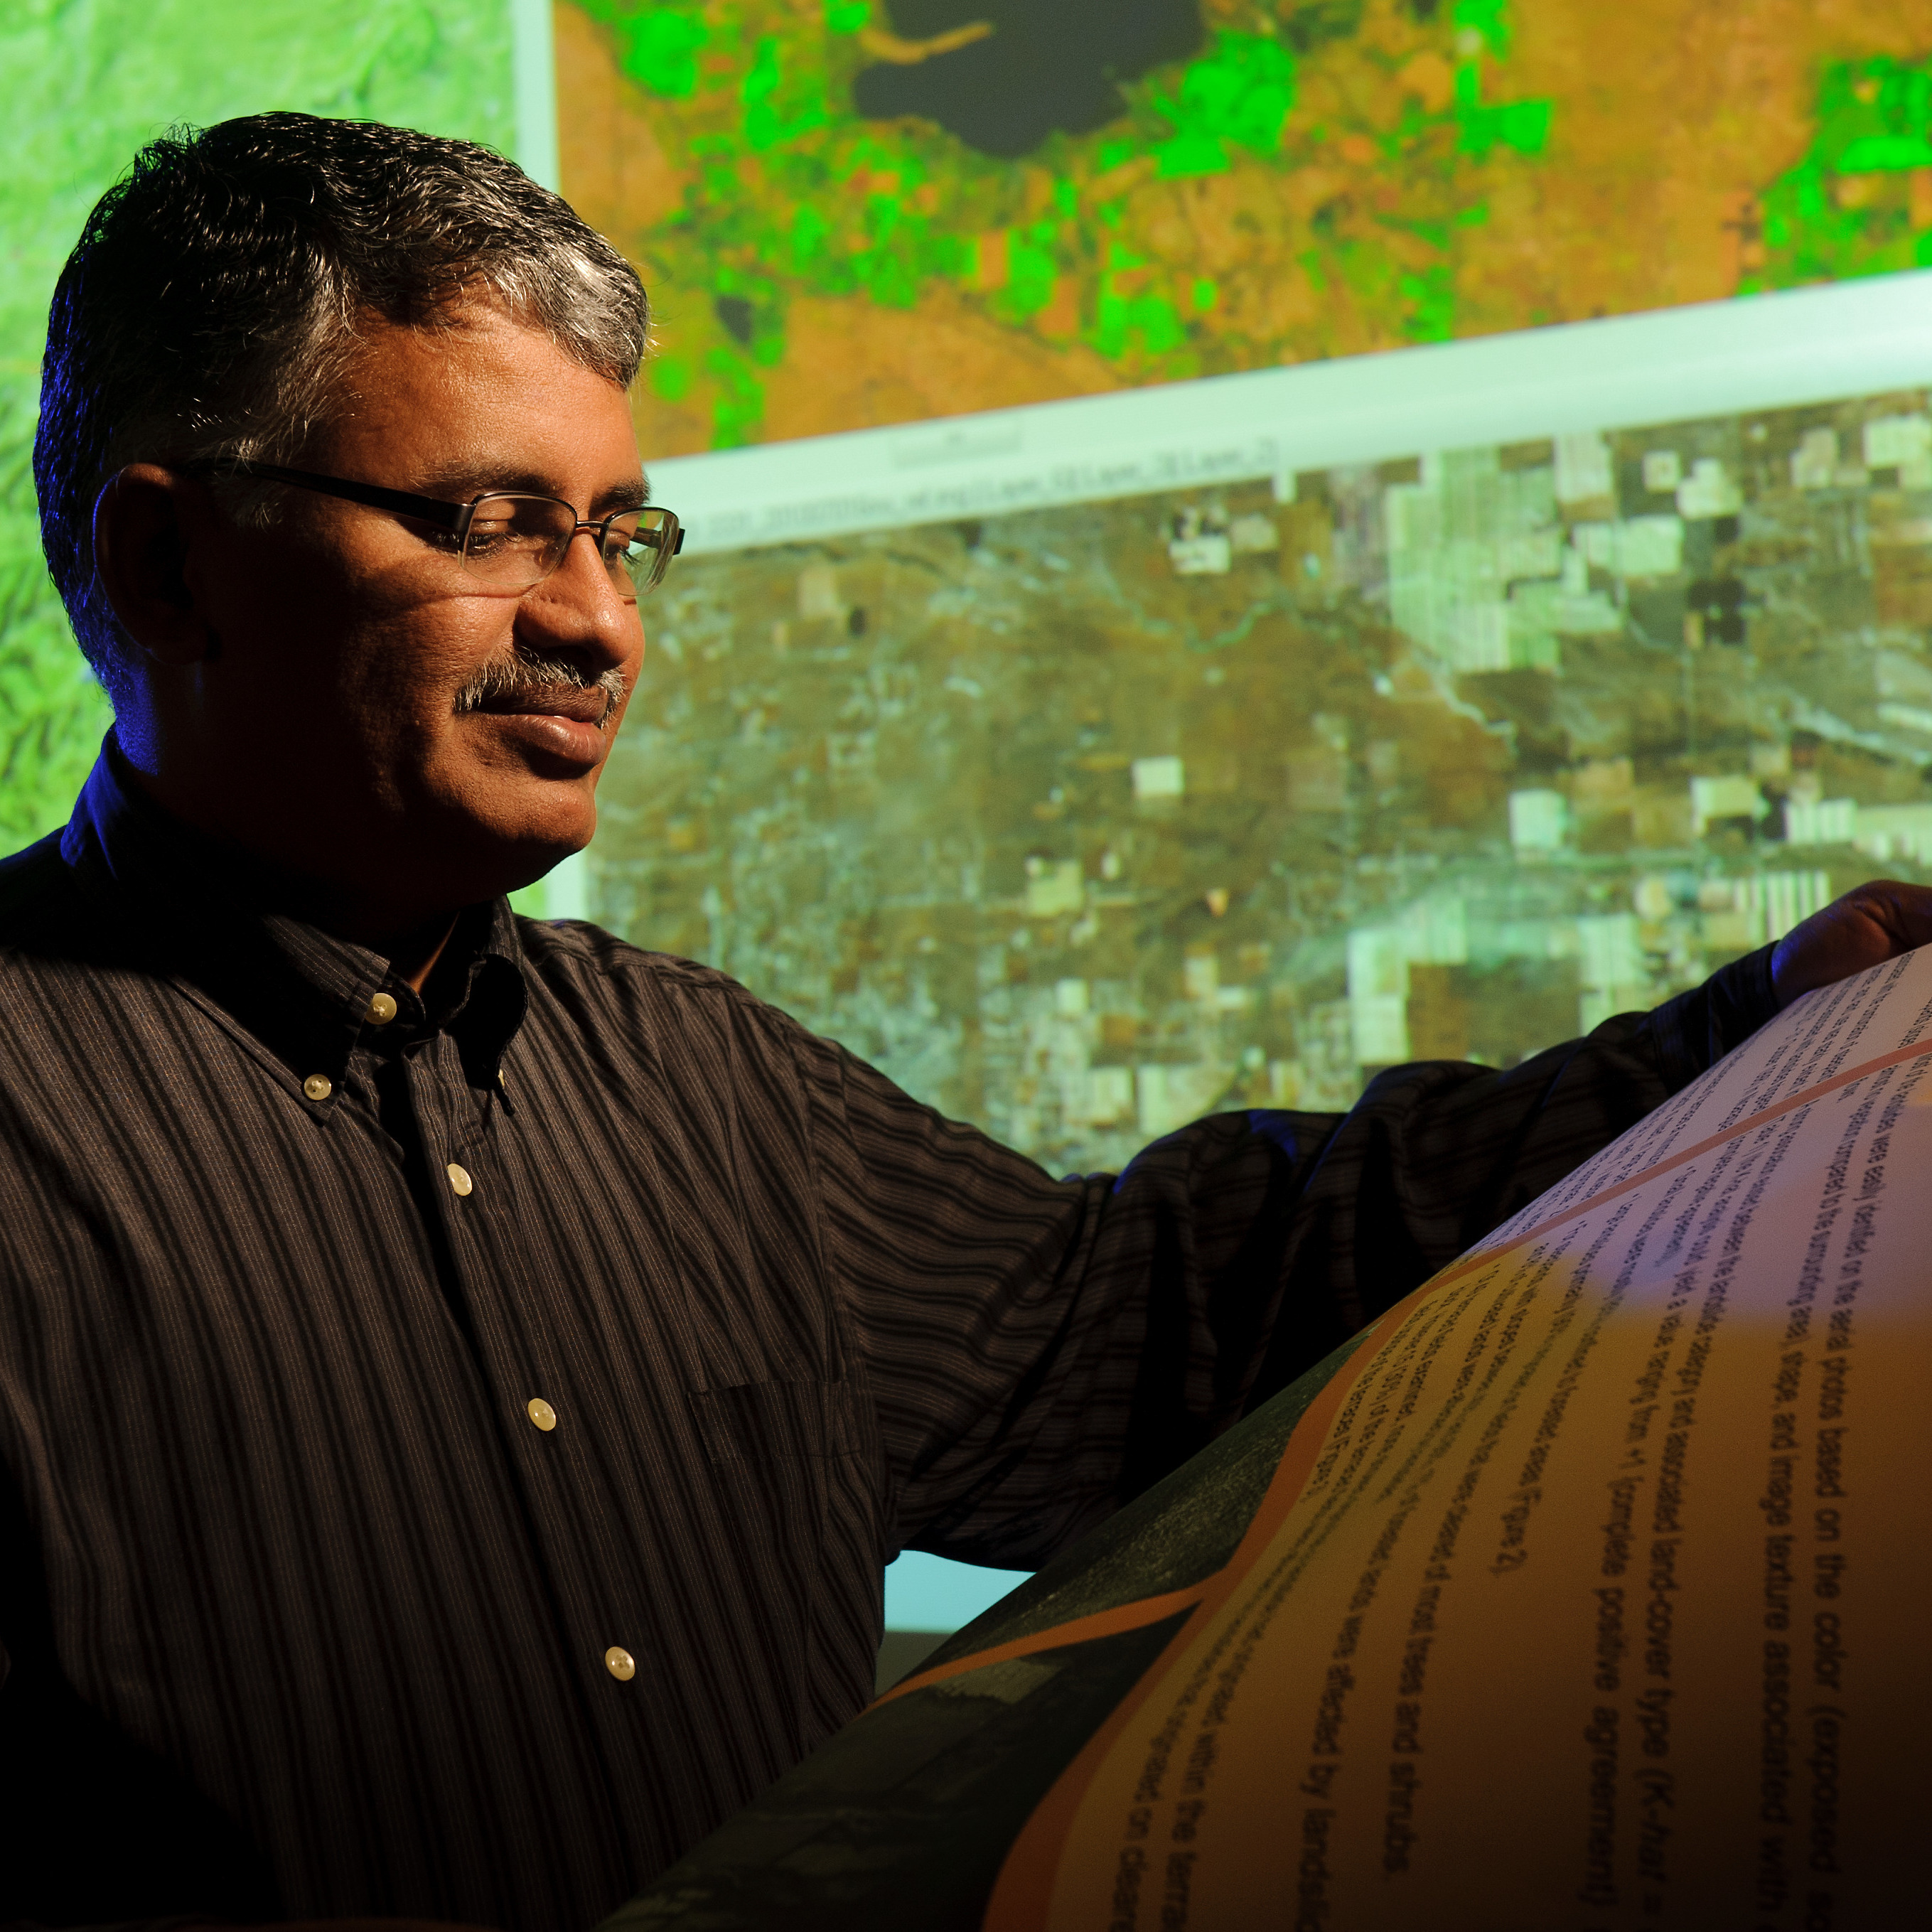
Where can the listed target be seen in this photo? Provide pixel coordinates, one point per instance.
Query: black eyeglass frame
(455, 518)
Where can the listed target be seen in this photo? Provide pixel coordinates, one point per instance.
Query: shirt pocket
(771, 1425)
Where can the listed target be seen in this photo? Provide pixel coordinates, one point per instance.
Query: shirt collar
(219, 918)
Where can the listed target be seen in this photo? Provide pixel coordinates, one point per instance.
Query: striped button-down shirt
(448, 1446)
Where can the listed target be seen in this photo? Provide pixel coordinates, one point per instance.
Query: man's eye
(495, 536)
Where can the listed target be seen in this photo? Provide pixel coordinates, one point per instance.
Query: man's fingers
(1870, 925)
(1910, 908)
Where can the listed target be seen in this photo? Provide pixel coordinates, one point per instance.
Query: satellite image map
(852, 213)
(1083, 822)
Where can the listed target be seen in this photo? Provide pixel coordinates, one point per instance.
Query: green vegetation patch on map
(1860, 202)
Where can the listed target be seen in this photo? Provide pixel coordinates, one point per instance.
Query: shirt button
(459, 1178)
(381, 1010)
(621, 1664)
(542, 1414)
(318, 1087)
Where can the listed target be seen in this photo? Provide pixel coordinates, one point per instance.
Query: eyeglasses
(509, 542)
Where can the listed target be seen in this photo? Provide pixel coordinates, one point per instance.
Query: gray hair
(221, 286)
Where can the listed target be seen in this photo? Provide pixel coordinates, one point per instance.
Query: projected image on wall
(1083, 822)
(866, 213)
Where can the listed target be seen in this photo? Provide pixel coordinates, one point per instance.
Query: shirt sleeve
(1039, 1352)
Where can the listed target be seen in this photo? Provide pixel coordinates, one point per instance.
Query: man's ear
(142, 524)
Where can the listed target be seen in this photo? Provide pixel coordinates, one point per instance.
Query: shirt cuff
(1695, 1030)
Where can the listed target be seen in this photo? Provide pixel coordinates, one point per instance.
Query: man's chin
(535, 850)
(505, 834)
(529, 871)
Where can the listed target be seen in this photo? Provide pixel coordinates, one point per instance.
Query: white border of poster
(1710, 359)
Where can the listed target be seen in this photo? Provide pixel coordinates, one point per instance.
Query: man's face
(370, 712)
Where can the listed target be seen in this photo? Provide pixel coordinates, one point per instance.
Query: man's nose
(578, 606)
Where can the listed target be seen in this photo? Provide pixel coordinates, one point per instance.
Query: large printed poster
(1585, 1593)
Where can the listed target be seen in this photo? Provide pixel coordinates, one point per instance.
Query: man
(460, 1378)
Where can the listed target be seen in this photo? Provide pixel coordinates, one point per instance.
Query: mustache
(505, 681)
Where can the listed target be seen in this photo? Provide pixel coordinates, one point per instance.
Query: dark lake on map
(1047, 65)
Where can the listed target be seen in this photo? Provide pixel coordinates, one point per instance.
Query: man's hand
(1871, 924)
